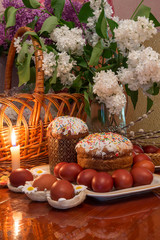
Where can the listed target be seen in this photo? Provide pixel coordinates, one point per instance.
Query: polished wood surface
(129, 218)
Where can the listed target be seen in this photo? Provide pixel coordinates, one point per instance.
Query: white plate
(126, 192)
(43, 167)
(70, 203)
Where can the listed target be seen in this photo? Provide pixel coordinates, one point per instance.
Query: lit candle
(15, 152)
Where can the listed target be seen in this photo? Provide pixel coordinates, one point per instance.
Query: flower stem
(136, 9)
(77, 16)
(105, 67)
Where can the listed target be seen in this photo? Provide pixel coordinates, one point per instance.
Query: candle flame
(13, 137)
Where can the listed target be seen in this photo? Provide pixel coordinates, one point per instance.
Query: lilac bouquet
(88, 50)
(31, 17)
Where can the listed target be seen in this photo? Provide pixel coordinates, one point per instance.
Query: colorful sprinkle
(68, 125)
(102, 142)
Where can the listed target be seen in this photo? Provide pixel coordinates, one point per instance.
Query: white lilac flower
(126, 76)
(49, 63)
(131, 34)
(97, 6)
(17, 44)
(65, 65)
(106, 83)
(79, 188)
(68, 40)
(108, 91)
(143, 69)
(28, 188)
(115, 103)
(37, 172)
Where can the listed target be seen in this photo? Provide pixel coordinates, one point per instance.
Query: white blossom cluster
(18, 45)
(143, 69)
(68, 40)
(64, 66)
(49, 64)
(131, 34)
(96, 5)
(109, 91)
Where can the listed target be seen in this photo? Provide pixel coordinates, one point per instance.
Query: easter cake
(105, 152)
(64, 133)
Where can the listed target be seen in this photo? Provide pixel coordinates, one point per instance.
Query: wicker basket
(31, 132)
(155, 157)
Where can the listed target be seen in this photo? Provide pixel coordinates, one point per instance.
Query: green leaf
(133, 95)
(85, 12)
(68, 24)
(87, 103)
(154, 90)
(77, 83)
(44, 47)
(112, 25)
(49, 24)
(96, 53)
(32, 74)
(10, 16)
(101, 25)
(107, 53)
(33, 23)
(155, 21)
(24, 70)
(54, 77)
(88, 51)
(58, 6)
(22, 54)
(107, 67)
(143, 11)
(149, 103)
(81, 62)
(33, 34)
(31, 4)
(90, 91)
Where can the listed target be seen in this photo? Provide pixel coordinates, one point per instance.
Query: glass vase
(102, 121)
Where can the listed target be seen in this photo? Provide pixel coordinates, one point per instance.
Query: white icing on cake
(68, 125)
(100, 142)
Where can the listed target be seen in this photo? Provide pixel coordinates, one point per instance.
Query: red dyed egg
(150, 149)
(137, 149)
(85, 177)
(102, 182)
(62, 189)
(122, 179)
(140, 157)
(146, 164)
(57, 168)
(44, 181)
(70, 171)
(141, 176)
(20, 176)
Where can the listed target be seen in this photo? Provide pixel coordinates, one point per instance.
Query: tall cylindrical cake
(63, 134)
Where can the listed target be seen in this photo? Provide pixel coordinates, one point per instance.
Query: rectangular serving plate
(126, 192)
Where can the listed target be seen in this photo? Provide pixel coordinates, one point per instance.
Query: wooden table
(129, 218)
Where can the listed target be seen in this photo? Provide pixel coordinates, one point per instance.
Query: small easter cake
(63, 134)
(105, 152)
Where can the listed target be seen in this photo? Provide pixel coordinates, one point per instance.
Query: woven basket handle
(39, 87)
